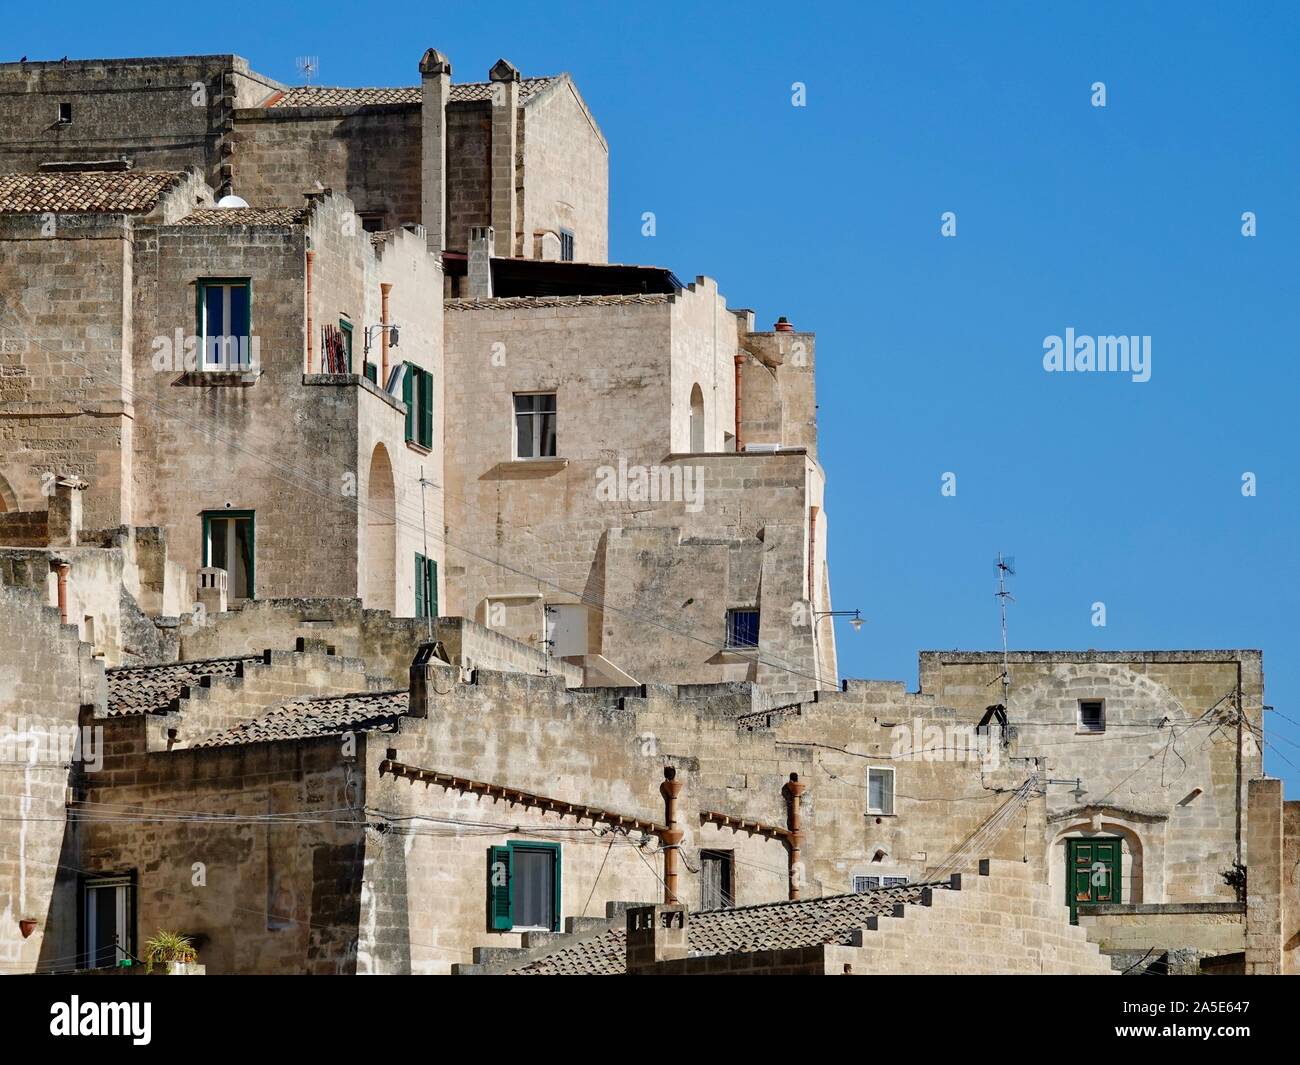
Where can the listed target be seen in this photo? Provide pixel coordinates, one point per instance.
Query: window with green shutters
(417, 394)
(426, 587)
(523, 886)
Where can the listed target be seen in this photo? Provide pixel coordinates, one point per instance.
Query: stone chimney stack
(435, 87)
(655, 934)
(65, 512)
(212, 590)
(430, 659)
(505, 141)
(481, 241)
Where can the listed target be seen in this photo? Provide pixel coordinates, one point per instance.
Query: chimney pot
(783, 325)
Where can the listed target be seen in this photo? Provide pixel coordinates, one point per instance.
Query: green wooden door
(1092, 872)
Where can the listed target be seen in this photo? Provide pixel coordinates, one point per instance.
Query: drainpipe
(385, 287)
(61, 568)
(311, 258)
(812, 552)
(794, 842)
(672, 836)
(740, 361)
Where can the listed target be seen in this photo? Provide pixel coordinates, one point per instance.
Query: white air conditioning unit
(766, 448)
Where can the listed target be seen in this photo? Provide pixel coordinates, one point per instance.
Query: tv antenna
(1006, 568)
(308, 65)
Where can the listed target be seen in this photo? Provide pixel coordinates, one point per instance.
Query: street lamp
(856, 615)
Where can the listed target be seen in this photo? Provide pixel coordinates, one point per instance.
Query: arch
(697, 419)
(8, 500)
(380, 543)
(1133, 855)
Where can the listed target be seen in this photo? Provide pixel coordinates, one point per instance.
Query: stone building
(389, 583)
(521, 154)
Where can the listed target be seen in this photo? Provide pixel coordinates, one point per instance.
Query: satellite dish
(232, 201)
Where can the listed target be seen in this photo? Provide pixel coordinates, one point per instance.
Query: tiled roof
(773, 926)
(325, 96)
(306, 718)
(482, 90)
(86, 191)
(145, 689)
(246, 216)
(479, 303)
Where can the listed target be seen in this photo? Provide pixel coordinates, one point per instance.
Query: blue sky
(1117, 220)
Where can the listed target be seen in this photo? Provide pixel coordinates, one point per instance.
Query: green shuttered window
(523, 887)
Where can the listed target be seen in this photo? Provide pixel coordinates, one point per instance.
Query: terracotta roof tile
(326, 716)
(149, 689)
(326, 96)
(127, 192)
(478, 303)
(773, 926)
(246, 216)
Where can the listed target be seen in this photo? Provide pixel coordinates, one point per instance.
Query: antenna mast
(1006, 568)
(307, 66)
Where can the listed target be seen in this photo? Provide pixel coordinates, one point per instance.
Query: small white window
(875, 881)
(880, 790)
(1092, 715)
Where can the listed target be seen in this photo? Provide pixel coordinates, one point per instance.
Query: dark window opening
(65, 113)
(742, 628)
(1092, 715)
(566, 245)
(371, 221)
(716, 879)
(535, 425)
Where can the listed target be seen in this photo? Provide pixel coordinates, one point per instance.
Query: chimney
(424, 682)
(435, 90)
(212, 590)
(783, 325)
(655, 934)
(671, 837)
(504, 77)
(481, 240)
(64, 512)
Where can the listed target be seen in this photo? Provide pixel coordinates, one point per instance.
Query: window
(345, 328)
(535, 425)
(228, 545)
(566, 245)
(417, 394)
(65, 113)
(107, 921)
(523, 887)
(426, 587)
(716, 891)
(1092, 715)
(371, 221)
(742, 628)
(371, 372)
(875, 882)
(225, 306)
(880, 791)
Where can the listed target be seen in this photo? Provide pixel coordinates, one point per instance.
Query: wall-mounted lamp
(857, 622)
(371, 330)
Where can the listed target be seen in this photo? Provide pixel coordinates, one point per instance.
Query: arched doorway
(697, 420)
(8, 501)
(381, 534)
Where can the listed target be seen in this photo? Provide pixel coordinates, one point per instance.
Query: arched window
(697, 419)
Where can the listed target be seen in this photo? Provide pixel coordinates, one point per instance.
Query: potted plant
(174, 950)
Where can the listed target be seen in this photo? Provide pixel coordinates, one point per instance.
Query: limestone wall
(48, 675)
(565, 174)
